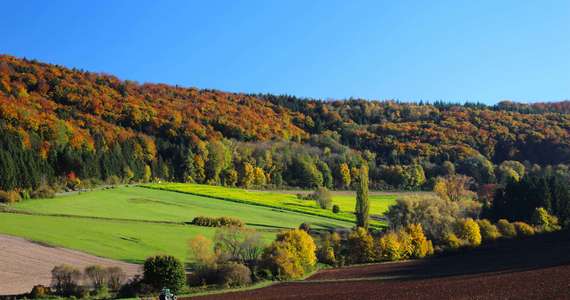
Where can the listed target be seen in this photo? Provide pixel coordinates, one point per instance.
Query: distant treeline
(66, 127)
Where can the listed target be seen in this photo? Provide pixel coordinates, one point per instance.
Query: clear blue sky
(399, 49)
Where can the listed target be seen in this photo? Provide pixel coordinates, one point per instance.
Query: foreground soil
(24, 264)
(533, 268)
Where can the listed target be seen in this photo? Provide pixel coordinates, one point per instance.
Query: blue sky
(407, 50)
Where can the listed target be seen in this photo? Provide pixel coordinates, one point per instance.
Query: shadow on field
(503, 256)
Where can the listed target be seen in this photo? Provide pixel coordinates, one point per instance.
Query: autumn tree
(453, 187)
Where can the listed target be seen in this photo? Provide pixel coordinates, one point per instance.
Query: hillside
(59, 124)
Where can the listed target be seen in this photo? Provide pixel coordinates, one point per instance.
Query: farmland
(132, 223)
(284, 201)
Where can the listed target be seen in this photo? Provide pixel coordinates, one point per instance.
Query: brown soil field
(24, 264)
(531, 268)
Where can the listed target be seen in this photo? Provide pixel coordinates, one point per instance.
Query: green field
(284, 201)
(137, 203)
(132, 223)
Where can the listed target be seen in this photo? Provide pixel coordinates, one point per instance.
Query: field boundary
(249, 202)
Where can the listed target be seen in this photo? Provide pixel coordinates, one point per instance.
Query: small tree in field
(323, 197)
(164, 271)
(362, 202)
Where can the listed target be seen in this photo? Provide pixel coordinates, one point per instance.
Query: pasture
(285, 200)
(132, 223)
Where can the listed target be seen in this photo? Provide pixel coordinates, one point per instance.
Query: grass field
(137, 203)
(132, 223)
(285, 201)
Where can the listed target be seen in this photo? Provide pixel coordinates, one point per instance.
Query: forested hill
(58, 123)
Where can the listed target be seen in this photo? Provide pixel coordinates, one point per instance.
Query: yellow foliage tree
(469, 231)
(292, 254)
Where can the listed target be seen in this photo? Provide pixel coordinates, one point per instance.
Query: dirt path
(24, 264)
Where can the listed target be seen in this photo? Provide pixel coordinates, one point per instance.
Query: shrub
(544, 221)
(506, 229)
(43, 191)
(335, 209)
(217, 221)
(40, 292)
(238, 244)
(234, 275)
(489, 232)
(523, 229)
(421, 246)
(470, 232)
(306, 227)
(291, 255)
(113, 180)
(65, 280)
(323, 197)
(97, 276)
(390, 246)
(9, 197)
(360, 246)
(329, 250)
(164, 271)
(134, 288)
(452, 241)
(115, 278)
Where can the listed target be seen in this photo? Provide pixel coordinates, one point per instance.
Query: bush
(217, 221)
(489, 232)
(43, 191)
(113, 180)
(323, 197)
(291, 255)
(97, 276)
(164, 271)
(452, 241)
(306, 227)
(134, 288)
(421, 246)
(391, 246)
(234, 275)
(40, 292)
(523, 229)
(65, 280)
(544, 221)
(470, 232)
(360, 246)
(116, 277)
(506, 229)
(9, 197)
(329, 250)
(335, 209)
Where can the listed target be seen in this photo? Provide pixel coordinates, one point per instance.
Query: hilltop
(58, 123)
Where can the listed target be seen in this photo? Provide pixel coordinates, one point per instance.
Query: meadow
(285, 200)
(132, 223)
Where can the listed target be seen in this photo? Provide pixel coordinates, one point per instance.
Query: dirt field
(24, 264)
(534, 268)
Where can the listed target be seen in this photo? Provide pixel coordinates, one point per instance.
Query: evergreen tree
(362, 201)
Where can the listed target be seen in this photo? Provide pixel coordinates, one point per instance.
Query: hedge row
(217, 222)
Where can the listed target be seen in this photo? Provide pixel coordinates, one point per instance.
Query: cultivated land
(25, 264)
(532, 268)
(285, 201)
(132, 223)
